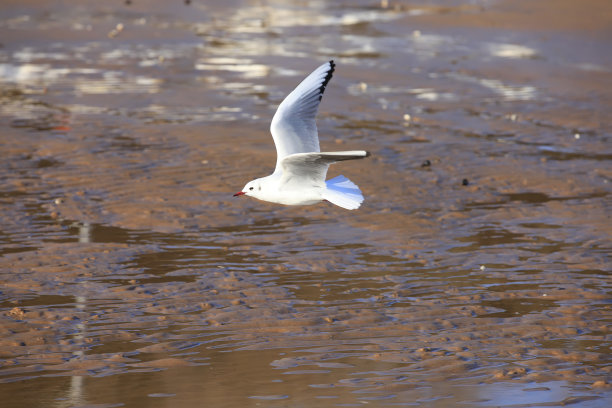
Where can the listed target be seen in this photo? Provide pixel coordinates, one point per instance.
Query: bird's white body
(301, 168)
(272, 191)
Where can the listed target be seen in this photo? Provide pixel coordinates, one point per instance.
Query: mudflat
(476, 273)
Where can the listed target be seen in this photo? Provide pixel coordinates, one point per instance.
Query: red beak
(239, 193)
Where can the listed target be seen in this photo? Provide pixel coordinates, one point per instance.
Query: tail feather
(343, 192)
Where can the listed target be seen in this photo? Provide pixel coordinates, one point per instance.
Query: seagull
(301, 166)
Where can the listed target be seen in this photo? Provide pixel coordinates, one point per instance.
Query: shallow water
(130, 277)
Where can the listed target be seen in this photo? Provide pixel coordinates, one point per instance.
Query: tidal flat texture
(476, 273)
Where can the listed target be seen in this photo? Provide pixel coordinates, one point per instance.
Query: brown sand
(129, 276)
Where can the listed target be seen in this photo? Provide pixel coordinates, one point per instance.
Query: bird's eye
(250, 188)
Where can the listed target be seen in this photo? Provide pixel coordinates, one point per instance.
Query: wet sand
(477, 272)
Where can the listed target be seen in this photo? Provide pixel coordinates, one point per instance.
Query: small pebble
(16, 313)
(426, 163)
(600, 384)
(115, 32)
(465, 182)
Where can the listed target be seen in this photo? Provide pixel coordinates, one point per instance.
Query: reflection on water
(509, 92)
(543, 394)
(130, 277)
(512, 51)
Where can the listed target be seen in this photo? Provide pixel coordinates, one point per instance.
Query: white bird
(301, 167)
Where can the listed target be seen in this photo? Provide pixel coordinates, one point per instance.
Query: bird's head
(252, 188)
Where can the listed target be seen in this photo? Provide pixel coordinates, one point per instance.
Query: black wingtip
(332, 68)
(328, 77)
(368, 154)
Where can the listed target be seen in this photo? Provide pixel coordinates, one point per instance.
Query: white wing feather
(293, 127)
(304, 170)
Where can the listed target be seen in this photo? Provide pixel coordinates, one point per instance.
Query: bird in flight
(301, 166)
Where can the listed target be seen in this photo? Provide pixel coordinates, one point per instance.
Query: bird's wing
(301, 170)
(293, 127)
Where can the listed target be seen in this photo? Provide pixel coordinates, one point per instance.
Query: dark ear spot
(259, 188)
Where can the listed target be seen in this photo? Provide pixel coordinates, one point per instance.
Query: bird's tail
(343, 192)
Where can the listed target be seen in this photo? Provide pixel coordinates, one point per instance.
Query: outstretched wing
(293, 127)
(301, 170)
